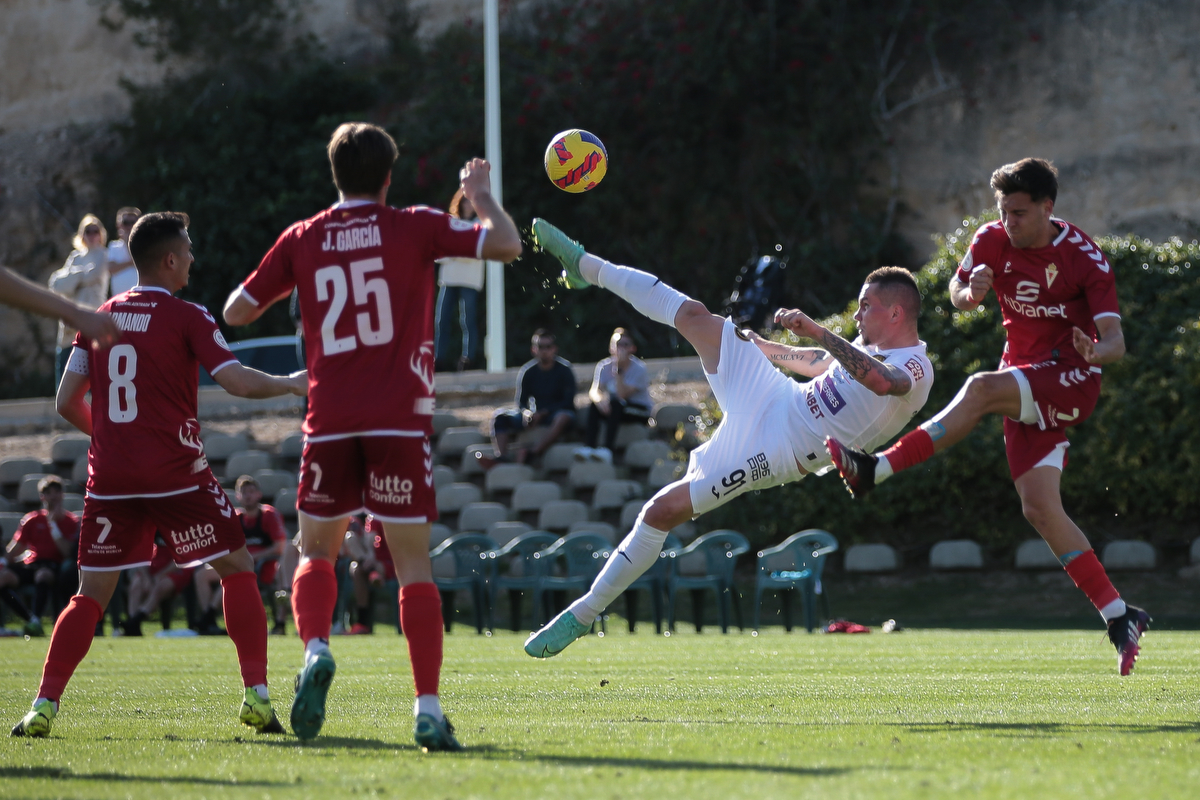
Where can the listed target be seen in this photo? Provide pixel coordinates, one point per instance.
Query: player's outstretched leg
(857, 467)
(637, 553)
(37, 721)
(1124, 632)
(565, 249)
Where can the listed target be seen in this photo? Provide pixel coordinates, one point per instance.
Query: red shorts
(391, 477)
(199, 526)
(267, 570)
(1064, 396)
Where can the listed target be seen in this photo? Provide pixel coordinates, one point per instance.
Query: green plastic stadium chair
(570, 564)
(797, 563)
(471, 555)
(514, 570)
(707, 564)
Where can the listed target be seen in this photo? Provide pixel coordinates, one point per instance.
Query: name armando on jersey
(352, 239)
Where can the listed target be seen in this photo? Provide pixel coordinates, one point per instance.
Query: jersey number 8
(331, 288)
(122, 367)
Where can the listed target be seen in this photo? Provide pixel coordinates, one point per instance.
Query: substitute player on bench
(1058, 298)
(774, 428)
(146, 464)
(365, 274)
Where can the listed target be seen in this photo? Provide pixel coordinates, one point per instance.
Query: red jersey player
(365, 278)
(1058, 298)
(265, 536)
(146, 464)
(37, 551)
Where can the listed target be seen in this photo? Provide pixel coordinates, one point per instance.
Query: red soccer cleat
(856, 467)
(358, 629)
(1124, 632)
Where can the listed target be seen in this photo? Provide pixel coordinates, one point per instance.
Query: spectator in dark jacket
(545, 398)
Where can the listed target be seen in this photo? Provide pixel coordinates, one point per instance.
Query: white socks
(429, 704)
(261, 688)
(632, 557)
(643, 291)
(314, 646)
(1113, 610)
(883, 468)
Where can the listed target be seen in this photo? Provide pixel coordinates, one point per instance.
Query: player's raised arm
(966, 295)
(502, 242)
(878, 376)
(1109, 348)
(243, 381)
(807, 361)
(17, 292)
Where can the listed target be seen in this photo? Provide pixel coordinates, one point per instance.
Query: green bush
(1132, 464)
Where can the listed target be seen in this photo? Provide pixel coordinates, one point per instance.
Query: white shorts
(750, 449)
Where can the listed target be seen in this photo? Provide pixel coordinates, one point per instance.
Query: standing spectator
(122, 274)
(460, 280)
(620, 390)
(36, 552)
(545, 398)
(83, 279)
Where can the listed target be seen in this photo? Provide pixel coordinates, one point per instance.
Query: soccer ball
(576, 161)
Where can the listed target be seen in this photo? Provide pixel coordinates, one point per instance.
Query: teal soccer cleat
(434, 736)
(556, 636)
(565, 249)
(312, 685)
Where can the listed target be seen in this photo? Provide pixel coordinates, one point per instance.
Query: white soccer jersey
(834, 404)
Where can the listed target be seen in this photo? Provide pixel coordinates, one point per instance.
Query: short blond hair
(89, 219)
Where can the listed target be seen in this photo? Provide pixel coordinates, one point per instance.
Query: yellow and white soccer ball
(576, 161)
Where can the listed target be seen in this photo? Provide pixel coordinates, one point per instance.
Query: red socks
(1091, 578)
(70, 642)
(913, 448)
(314, 596)
(246, 624)
(421, 619)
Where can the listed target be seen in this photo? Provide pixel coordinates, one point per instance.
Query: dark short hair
(543, 333)
(1037, 177)
(50, 482)
(154, 234)
(361, 156)
(246, 480)
(898, 286)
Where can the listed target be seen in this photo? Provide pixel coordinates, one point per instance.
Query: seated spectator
(265, 539)
(374, 568)
(150, 587)
(545, 398)
(83, 279)
(36, 553)
(122, 274)
(620, 392)
(356, 548)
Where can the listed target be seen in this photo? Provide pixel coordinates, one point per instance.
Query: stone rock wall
(1110, 93)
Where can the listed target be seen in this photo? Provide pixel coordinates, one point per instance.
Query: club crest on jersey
(219, 338)
(1051, 274)
(422, 365)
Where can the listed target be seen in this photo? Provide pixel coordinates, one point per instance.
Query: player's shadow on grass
(493, 752)
(62, 774)
(330, 743)
(1031, 729)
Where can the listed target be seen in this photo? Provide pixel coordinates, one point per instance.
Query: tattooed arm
(880, 377)
(807, 361)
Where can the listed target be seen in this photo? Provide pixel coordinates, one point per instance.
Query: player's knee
(666, 510)
(1039, 512)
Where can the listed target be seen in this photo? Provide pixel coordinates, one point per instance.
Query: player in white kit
(774, 428)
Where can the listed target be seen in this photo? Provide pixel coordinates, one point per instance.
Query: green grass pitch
(918, 714)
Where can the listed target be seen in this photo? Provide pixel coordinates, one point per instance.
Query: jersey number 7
(332, 288)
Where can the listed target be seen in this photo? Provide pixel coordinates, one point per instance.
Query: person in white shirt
(83, 279)
(773, 429)
(122, 274)
(459, 282)
(620, 392)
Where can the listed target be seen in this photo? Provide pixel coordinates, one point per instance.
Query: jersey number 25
(331, 288)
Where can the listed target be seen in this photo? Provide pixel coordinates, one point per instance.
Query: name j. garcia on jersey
(353, 239)
(194, 538)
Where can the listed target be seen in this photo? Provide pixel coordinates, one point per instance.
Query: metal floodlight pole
(495, 342)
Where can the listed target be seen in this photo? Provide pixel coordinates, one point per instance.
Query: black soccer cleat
(857, 467)
(1124, 632)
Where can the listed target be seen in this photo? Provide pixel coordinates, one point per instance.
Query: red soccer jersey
(266, 529)
(1045, 292)
(145, 437)
(365, 274)
(35, 537)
